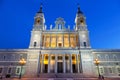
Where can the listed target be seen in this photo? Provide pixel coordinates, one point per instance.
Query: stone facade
(59, 50)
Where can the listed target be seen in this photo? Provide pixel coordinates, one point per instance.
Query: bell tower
(38, 27)
(39, 20)
(80, 20)
(81, 27)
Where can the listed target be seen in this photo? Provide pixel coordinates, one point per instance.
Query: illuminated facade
(60, 47)
(60, 50)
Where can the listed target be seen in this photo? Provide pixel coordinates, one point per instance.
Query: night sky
(17, 18)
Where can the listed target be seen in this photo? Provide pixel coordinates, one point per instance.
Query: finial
(79, 11)
(40, 11)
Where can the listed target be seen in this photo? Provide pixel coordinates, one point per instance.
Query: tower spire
(40, 11)
(79, 11)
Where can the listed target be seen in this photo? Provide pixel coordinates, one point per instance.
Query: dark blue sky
(17, 17)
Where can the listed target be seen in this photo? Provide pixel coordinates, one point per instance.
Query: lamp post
(97, 62)
(21, 62)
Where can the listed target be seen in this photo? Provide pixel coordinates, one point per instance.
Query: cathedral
(59, 50)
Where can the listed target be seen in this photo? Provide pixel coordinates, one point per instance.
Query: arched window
(35, 44)
(115, 57)
(84, 43)
(107, 57)
(59, 26)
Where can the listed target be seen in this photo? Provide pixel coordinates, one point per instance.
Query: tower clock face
(82, 21)
(38, 21)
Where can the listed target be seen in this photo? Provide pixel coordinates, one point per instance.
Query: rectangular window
(18, 70)
(101, 70)
(118, 70)
(9, 70)
(84, 43)
(1, 69)
(110, 70)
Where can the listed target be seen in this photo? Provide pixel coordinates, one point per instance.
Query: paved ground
(59, 79)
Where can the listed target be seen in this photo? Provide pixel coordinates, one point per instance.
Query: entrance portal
(60, 67)
(46, 68)
(74, 68)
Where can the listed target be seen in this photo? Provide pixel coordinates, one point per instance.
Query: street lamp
(21, 62)
(97, 62)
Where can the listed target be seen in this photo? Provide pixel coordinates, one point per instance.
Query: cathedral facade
(60, 50)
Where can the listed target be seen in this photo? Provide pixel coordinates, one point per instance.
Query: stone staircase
(62, 76)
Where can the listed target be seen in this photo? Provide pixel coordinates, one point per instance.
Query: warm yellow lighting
(52, 62)
(45, 61)
(96, 61)
(74, 62)
(66, 45)
(53, 45)
(22, 61)
(73, 58)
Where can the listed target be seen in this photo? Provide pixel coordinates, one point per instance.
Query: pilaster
(56, 63)
(64, 64)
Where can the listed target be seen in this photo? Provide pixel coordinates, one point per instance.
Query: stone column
(64, 64)
(44, 41)
(75, 41)
(63, 39)
(42, 62)
(77, 63)
(49, 59)
(56, 63)
(56, 40)
(41, 41)
(69, 40)
(71, 63)
(50, 40)
(39, 63)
